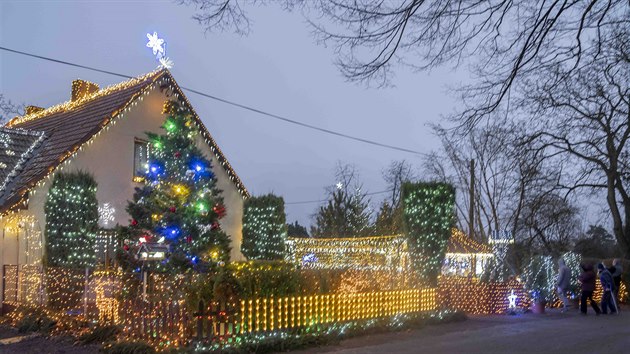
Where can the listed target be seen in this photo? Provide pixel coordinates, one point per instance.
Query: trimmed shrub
(266, 278)
(428, 217)
(264, 228)
(100, 335)
(127, 347)
(71, 221)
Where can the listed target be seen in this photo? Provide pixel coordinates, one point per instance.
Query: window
(140, 159)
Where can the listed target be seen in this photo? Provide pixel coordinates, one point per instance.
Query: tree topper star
(166, 63)
(155, 43)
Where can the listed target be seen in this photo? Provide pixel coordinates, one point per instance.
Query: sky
(278, 68)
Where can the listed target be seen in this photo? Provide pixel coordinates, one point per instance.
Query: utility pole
(471, 210)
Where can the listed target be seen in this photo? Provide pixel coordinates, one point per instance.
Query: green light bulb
(170, 126)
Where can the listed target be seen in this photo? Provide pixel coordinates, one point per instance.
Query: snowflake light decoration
(339, 185)
(158, 46)
(155, 43)
(106, 214)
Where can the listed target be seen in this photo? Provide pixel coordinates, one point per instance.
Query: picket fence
(172, 322)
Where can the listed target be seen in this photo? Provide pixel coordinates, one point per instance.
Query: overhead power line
(325, 200)
(229, 102)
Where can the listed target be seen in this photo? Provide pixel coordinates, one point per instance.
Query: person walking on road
(608, 287)
(587, 280)
(563, 284)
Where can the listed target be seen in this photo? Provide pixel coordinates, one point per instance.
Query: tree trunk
(620, 229)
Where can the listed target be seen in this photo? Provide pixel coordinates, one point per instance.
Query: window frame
(136, 177)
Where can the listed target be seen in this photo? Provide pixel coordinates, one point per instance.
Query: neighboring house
(465, 256)
(101, 131)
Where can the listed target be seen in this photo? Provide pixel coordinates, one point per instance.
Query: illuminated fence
(23, 284)
(168, 323)
(473, 296)
(270, 314)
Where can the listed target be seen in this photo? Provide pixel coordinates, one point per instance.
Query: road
(549, 333)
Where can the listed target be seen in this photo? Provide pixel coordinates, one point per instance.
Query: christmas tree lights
(428, 219)
(388, 253)
(179, 205)
(264, 228)
(71, 221)
(539, 276)
(573, 261)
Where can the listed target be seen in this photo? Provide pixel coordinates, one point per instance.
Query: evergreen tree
(388, 220)
(297, 230)
(180, 204)
(345, 215)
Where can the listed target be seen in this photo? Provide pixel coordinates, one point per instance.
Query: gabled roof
(462, 244)
(67, 126)
(17, 146)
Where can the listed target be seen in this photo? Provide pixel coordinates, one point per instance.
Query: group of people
(610, 278)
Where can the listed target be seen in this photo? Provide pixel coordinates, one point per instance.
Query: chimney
(82, 88)
(32, 109)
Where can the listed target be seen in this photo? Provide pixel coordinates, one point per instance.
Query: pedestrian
(608, 287)
(616, 270)
(563, 283)
(587, 280)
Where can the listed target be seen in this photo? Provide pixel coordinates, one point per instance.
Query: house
(465, 256)
(101, 131)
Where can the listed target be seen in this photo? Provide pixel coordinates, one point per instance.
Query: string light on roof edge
(158, 46)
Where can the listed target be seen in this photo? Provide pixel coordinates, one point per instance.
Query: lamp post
(146, 253)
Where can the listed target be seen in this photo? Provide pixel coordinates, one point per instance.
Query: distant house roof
(62, 129)
(462, 244)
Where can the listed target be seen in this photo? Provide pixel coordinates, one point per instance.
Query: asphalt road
(553, 332)
(550, 333)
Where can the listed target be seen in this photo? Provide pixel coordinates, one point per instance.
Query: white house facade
(101, 131)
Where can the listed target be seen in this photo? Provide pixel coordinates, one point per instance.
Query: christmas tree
(179, 205)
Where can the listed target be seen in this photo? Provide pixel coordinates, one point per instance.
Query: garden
(166, 280)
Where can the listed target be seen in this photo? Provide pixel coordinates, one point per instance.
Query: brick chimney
(33, 109)
(82, 88)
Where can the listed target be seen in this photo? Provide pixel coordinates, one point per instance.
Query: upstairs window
(140, 159)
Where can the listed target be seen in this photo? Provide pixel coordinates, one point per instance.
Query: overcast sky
(278, 68)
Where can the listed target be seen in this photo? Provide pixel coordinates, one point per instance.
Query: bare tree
(389, 215)
(584, 124)
(9, 109)
(220, 15)
(510, 39)
(497, 175)
(510, 180)
(397, 173)
(550, 224)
